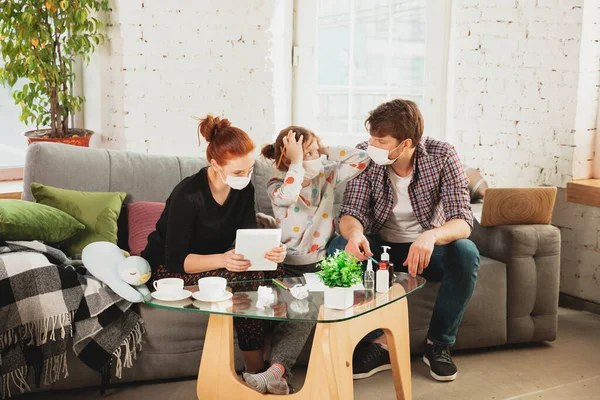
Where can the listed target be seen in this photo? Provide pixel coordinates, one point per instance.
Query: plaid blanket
(45, 299)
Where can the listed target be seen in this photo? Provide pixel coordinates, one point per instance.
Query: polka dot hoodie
(305, 214)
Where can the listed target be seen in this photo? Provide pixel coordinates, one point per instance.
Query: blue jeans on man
(455, 265)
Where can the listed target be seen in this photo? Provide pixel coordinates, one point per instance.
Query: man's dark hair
(398, 118)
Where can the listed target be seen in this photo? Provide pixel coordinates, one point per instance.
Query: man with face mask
(414, 198)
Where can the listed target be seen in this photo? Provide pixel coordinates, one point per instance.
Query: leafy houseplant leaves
(340, 270)
(39, 41)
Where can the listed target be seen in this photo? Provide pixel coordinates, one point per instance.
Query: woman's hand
(235, 262)
(294, 151)
(277, 255)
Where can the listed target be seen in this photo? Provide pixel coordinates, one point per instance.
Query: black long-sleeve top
(194, 223)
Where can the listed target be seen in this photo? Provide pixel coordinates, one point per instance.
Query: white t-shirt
(402, 225)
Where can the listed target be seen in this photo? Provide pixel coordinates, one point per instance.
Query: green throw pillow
(98, 211)
(24, 220)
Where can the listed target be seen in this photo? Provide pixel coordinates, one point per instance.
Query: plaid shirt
(438, 191)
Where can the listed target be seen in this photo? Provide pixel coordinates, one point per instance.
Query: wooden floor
(567, 369)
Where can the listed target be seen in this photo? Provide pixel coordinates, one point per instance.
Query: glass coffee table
(329, 373)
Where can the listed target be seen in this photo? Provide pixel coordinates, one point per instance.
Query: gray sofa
(515, 301)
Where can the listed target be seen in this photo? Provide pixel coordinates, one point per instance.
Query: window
(12, 142)
(351, 55)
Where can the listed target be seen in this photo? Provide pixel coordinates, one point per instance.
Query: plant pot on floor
(339, 298)
(75, 137)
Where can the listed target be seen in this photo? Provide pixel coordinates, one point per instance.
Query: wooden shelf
(11, 189)
(585, 191)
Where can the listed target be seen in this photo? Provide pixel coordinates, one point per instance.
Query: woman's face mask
(235, 182)
(238, 165)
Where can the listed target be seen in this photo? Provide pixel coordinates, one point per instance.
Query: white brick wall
(525, 96)
(526, 101)
(166, 61)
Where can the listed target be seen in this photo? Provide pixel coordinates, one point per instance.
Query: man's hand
(419, 254)
(358, 246)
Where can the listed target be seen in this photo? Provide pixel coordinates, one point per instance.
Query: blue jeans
(455, 265)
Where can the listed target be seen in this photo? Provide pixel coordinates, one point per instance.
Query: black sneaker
(369, 358)
(440, 363)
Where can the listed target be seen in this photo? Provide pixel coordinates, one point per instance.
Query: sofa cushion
(142, 218)
(484, 321)
(23, 220)
(97, 211)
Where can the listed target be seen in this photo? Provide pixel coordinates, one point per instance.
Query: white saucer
(198, 296)
(171, 296)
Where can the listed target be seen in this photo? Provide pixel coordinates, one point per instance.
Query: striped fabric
(438, 191)
(477, 185)
(142, 217)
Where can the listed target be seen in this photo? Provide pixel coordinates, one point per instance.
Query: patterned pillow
(477, 185)
(142, 218)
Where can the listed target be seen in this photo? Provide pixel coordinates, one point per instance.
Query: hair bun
(268, 151)
(211, 126)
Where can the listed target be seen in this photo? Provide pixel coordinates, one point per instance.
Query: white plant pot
(339, 298)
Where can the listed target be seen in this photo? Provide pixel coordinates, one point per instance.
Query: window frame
(436, 98)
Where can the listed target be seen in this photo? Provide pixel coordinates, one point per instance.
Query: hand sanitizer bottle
(385, 257)
(369, 277)
(383, 282)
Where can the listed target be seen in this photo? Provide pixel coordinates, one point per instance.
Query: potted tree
(339, 272)
(40, 41)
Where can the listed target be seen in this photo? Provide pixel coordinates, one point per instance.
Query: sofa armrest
(532, 257)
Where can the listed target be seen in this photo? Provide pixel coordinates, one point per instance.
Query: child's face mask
(312, 168)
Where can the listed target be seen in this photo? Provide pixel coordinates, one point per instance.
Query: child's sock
(280, 387)
(259, 381)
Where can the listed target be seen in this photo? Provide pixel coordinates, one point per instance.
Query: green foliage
(340, 270)
(39, 40)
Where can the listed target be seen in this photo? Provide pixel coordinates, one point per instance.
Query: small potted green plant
(339, 272)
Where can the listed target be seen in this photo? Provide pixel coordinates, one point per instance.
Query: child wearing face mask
(303, 192)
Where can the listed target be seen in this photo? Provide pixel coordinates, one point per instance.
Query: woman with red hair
(195, 234)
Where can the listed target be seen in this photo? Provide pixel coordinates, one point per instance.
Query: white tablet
(254, 243)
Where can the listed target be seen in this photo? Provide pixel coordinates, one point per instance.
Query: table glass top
(242, 301)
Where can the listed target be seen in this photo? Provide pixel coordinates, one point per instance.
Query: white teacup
(168, 285)
(212, 287)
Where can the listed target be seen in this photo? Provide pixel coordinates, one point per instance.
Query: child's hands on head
(323, 150)
(294, 151)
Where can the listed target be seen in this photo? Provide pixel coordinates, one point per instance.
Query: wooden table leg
(217, 378)
(336, 342)
(329, 373)
(397, 335)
